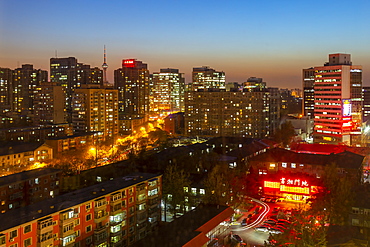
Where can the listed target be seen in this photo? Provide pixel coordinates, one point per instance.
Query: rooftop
(346, 160)
(193, 226)
(26, 175)
(18, 147)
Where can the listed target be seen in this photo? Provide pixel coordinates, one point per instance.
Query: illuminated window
(293, 165)
(284, 164)
(272, 166)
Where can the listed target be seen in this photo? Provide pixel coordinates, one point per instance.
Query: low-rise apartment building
(112, 213)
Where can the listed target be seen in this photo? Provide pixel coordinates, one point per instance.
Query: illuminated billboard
(346, 108)
(293, 189)
(128, 63)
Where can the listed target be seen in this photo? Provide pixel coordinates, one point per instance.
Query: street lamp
(96, 154)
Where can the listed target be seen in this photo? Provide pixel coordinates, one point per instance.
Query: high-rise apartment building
(95, 109)
(206, 77)
(49, 104)
(254, 83)
(366, 104)
(216, 112)
(6, 79)
(167, 94)
(70, 74)
(25, 82)
(308, 92)
(275, 105)
(132, 82)
(338, 101)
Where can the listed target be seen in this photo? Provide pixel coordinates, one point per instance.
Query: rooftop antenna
(105, 66)
(56, 53)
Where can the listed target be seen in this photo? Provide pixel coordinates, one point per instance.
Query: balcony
(116, 208)
(47, 243)
(102, 228)
(99, 217)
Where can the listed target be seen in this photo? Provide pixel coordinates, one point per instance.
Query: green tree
(174, 194)
(217, 186)
(306, 230)
(335, 196)
(285, 133)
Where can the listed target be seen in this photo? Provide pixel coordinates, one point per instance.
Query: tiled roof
(16, 147)
(189, 229)
(347, 160)
(21, 176)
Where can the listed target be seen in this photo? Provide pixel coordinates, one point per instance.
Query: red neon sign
(297, 186)
(128, 63)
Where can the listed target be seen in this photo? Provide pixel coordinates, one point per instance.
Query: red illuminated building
(338, 101)
(285, 173)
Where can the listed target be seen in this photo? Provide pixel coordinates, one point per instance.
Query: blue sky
(274, 40)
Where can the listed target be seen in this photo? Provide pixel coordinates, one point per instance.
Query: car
(276, 209)
(244, 222)
(267, 225)
(275, 231)
(270, 221)
(261, 229)
(280, 227)
(237, 238)
(273, 200)
(283, 221)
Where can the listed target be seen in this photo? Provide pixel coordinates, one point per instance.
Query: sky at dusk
(271, 39)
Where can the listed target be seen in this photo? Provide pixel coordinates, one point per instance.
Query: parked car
(261, 229)
(244, 222)
(283, 221)
(275, 231)
(237, 238)
(270, 221)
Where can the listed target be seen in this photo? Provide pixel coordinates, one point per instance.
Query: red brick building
(113, 213)
(28, 187)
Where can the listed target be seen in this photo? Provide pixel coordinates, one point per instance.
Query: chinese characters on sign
(291, 188)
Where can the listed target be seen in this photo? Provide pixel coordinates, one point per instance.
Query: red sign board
(295, 186)
(128, 63)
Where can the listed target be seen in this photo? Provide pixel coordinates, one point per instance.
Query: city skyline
(271, 40)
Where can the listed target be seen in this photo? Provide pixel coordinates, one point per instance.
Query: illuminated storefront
(291, 189)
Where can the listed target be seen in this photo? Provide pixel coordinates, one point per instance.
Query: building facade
(220, 113)
(49, 104)
(70, 74)
(6, 86)
(36, 133)
(206, 77)
(25, 82)
(113, 213)
(338, 101)
(28, 187)
(17, 154)
(132, 82)
(308, 92)
(295, 176)
(366, 104)
(168, 91)
(95, 109)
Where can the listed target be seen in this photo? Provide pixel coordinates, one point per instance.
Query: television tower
(105, 66)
